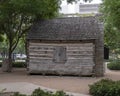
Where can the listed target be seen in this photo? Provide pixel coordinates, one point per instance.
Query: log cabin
(66, 46)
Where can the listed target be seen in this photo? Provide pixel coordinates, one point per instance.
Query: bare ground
(66, 83)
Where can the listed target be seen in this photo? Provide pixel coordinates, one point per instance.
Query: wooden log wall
(79, 58)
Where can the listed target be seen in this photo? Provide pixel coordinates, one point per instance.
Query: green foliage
(1, 59)
(60, 93)
(1, 38)
(112, 37)
(111, 12)
(39, 92)
(17, 16)
(17, 64)
(111, 18)
(18, 94)
(40, 8)
(21, 46)
(105, 87)
(114, 65)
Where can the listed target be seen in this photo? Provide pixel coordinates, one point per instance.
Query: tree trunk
(7, 63)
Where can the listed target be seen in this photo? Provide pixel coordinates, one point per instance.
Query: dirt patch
(66, 83)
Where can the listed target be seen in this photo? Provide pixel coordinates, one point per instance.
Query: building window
(59, 54)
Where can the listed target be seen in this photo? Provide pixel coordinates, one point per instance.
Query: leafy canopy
(111, 12)
(16, 16)
(111, 18)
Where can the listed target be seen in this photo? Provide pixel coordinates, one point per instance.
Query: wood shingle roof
(70, 28)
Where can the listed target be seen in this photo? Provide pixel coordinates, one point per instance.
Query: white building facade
(79, 8)
(89, 8)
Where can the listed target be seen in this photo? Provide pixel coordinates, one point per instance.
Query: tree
(16, 17)
(111, 18)
(111, 12)
(1, 38)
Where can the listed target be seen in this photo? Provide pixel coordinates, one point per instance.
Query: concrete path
(27, 88)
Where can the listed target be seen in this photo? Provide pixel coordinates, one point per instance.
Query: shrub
(60, 93)
(1, 58)
(39, 92)
(18, 94)
(114, 65)
(105, 87)
(17, 64)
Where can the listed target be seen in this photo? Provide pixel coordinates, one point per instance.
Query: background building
(89, 8)
(79, 8)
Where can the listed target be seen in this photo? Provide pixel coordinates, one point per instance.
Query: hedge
(114, 65)
(105, 87)
(17, 64)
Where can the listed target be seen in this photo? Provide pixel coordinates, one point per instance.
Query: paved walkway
(19, 80)
(28, 88)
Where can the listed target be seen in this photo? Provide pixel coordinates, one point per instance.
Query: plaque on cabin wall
(59, 54)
